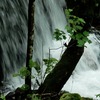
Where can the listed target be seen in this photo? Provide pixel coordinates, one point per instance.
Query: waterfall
(13, 36)
(49, 15)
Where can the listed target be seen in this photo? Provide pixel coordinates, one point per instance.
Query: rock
(10, 96)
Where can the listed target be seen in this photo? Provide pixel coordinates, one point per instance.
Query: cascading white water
(13, 35)
(49, 15)
(85, 78)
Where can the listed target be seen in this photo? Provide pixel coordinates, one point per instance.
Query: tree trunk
(30, 40)
(63, 70)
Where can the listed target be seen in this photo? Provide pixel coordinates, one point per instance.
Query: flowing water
(13, 35)
(49, 14)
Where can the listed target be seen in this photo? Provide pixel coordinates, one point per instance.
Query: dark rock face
(89, 10)
(18, 94)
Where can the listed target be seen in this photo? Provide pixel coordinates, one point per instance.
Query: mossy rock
(83, 98)
(70, 96)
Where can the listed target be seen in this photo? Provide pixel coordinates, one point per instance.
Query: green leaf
(62, 32)
(32, 77)
(74, 30)
(85, 39)
(73, 36)
(35, 65)
(24, 87)
(15, 75)
(67, 12)
(78, 27)
(64, 37)
(59, 35)
(89, 41)
(70, 10)
(45, 61)
(32, 63)
(69, 29)
(48, 70)
(53, 60)
(70, 21)
(86, 33)
(81, 20)
(75, 25)
(74, 16)
(2, 97)
(80, 43)
(24, 72)
(29, 95)
(35, 97)
(98, 95)
(79, 36)
(50, 64)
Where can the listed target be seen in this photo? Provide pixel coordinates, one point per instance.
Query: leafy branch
(50, 63)
(23, 72)
(75, 28)
(59, 35)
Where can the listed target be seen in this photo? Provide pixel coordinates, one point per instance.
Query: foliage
(34, 64)
(23, 72)
(59, 35)
(24, 87)
(2, 97)
(69, 96)
(34, 96)
(98, 96)
(75, 28)
(72, 96)
(84, 98)
(50, 63)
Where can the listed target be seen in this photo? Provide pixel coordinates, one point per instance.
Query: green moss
(70, 96)
(83, 98)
